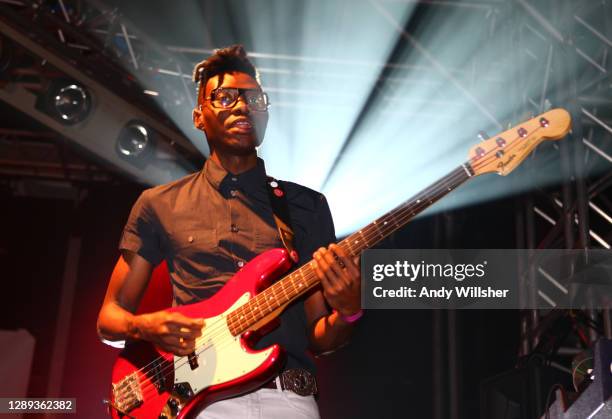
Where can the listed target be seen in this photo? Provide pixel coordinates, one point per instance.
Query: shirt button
(240, 263)
(234, 228)
(233, 192)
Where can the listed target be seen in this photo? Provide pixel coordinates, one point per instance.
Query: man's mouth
(242, 125)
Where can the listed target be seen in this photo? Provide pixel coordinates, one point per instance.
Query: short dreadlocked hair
(224, 60)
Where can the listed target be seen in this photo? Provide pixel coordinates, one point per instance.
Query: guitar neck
(292, 286)
(395, 219)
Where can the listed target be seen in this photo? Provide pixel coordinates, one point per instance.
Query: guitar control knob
(173, 404)
(183, 390)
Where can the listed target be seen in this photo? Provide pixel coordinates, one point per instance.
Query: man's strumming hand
(172, 332)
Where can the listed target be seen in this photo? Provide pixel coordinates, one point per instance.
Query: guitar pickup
(193, 360)
(159, 380)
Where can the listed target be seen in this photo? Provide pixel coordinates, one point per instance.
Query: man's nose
(241, 105)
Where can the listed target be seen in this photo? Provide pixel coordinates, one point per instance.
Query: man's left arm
(341, 290)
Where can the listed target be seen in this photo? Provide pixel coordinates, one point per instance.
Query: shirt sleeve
(327, 232)
(141, 232)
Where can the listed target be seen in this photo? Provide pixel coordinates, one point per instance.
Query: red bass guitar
(149, 383)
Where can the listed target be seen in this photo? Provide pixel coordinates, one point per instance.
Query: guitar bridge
(127, 394)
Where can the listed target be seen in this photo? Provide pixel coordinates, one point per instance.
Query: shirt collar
(250, 180)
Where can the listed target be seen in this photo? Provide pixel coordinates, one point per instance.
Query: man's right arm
(172, 332)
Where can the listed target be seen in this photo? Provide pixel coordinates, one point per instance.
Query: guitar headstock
(502, 153)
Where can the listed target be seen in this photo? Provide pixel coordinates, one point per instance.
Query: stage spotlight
(134, 139)
(66, 101)
(71, 103)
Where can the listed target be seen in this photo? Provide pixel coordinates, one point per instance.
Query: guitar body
(149, 383)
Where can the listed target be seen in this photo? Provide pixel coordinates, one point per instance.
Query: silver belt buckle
(299, 381)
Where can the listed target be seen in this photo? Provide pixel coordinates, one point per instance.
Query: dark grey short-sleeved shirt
(209, 224)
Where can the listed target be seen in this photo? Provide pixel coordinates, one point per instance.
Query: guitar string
(405, 212)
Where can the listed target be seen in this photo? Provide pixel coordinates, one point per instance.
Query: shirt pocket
(193, 257)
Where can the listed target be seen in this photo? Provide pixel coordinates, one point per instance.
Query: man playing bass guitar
(208, 225)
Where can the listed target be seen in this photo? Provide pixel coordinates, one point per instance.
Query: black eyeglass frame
(241, 92)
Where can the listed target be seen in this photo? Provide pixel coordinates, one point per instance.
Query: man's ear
(198, 118)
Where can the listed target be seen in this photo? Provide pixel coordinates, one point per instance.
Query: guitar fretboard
(304, 278)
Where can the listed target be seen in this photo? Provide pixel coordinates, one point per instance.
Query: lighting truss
(575, 215)
(51, 41)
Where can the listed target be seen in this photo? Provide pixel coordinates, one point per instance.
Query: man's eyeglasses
(227, 97)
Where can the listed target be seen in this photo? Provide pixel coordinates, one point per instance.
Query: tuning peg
(482, 135)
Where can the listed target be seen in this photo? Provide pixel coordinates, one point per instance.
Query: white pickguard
(221, 357)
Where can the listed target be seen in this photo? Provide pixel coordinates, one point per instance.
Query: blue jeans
(265, 403)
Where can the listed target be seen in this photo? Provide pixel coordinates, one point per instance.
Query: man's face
(237, 130)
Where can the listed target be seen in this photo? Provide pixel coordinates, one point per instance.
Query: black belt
(299, 381)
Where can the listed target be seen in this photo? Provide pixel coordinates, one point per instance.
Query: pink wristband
(352, 318)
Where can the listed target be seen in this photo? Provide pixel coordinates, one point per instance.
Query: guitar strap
(280, 210)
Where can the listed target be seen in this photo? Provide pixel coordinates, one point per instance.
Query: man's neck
(235, 164)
